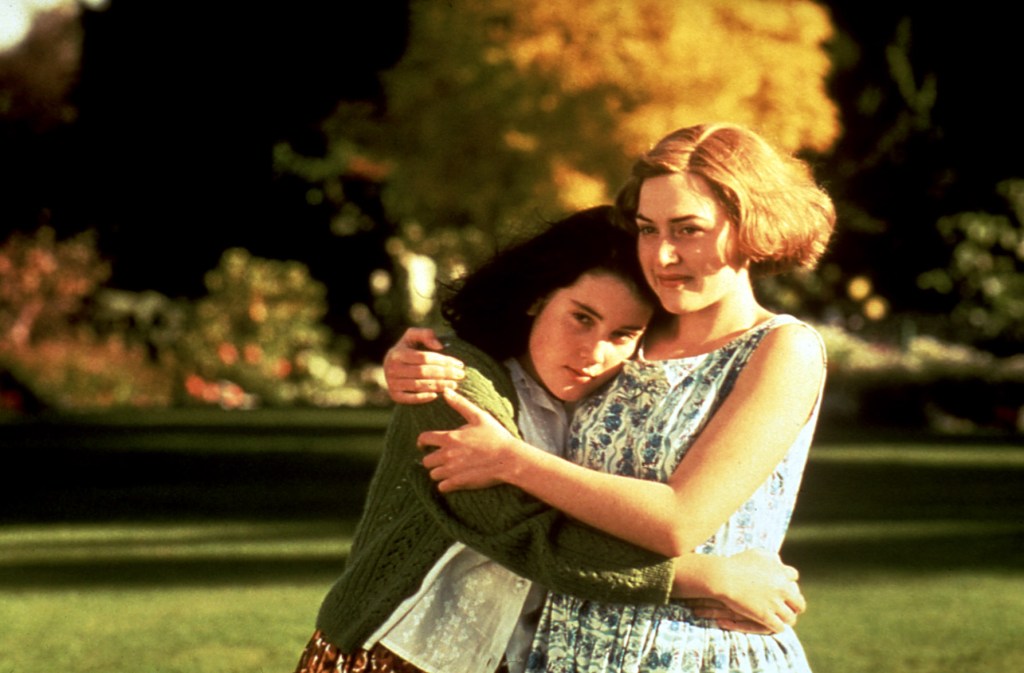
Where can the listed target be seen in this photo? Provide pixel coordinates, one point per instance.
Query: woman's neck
(705, 330)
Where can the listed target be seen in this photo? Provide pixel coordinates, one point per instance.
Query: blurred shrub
(924, 382)
(257, 338)
(48, 342)
(44, 282)
(985, 276)
(147, 319)
(79, 371)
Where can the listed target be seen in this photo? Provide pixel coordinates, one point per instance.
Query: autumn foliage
(501, 110)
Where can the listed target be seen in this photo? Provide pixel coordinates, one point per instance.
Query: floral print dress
(641, 426)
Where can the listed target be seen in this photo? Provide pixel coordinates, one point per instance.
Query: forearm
(646, 513)
(743, 441)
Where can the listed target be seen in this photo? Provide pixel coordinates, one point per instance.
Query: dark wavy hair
(490, 307)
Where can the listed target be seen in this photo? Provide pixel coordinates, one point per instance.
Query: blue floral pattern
(642, 426)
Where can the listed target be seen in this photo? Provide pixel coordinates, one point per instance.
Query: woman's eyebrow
(588, 309)
(678, 219)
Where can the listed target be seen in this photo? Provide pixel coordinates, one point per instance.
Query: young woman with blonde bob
(699, 444)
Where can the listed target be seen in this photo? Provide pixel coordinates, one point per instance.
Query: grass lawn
(214, 561)
(895, 622)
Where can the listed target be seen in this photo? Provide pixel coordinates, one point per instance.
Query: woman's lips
(580, 376)
(674, 280)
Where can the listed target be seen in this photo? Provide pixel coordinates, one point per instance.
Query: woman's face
(582, 334)
(685, 242)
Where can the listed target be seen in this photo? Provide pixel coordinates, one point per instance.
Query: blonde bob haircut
(782, 219)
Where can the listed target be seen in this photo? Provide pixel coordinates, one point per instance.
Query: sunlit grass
(174, 598)
(243, 620)
(898, 622)
(65, 545)
(974, 456)
(158, 629)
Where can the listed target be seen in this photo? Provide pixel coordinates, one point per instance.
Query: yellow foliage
(502, 109)
(672, 64)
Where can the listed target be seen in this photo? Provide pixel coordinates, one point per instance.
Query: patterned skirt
(322, 657)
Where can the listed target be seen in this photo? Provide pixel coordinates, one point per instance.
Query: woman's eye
(624, 338)
(583, 319)
(644, 229)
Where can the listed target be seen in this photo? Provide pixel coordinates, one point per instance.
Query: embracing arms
(734, 454)
(755, 584)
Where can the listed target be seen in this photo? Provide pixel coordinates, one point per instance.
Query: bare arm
(751, 591)
(738, 449)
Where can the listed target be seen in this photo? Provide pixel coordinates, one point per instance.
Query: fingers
(696, 603)
(714, 612)
(417, 376)
(796, 600)
(733, 621)
(411, 398)
(431, 439)
(744, 626)
(466, 409)
(770, 620)
(417, 391)
(416, 364)
(416, 337)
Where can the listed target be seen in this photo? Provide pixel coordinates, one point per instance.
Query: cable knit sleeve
(519, 531)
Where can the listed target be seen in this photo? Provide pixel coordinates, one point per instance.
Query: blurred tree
(43, 282)
(502, 110)
(928, 130)
(257, 337)
(985, 275)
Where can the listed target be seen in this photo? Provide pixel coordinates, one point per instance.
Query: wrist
(524, 465)
(504, 465)
(697, 576)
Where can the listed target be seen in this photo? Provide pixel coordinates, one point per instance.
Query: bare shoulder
(797, 339)
(790, 358)
(794, 348)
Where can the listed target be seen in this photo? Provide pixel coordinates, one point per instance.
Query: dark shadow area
(96, 475)
(144, 573)
(983, 503)
(891, 491)
(822, 559)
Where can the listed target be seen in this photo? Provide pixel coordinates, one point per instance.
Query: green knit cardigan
(407, 525)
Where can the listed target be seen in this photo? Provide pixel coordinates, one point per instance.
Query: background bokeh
(205, 205)
(216, 217)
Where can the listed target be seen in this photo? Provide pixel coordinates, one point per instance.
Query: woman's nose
(592, 352)
(667, 253)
